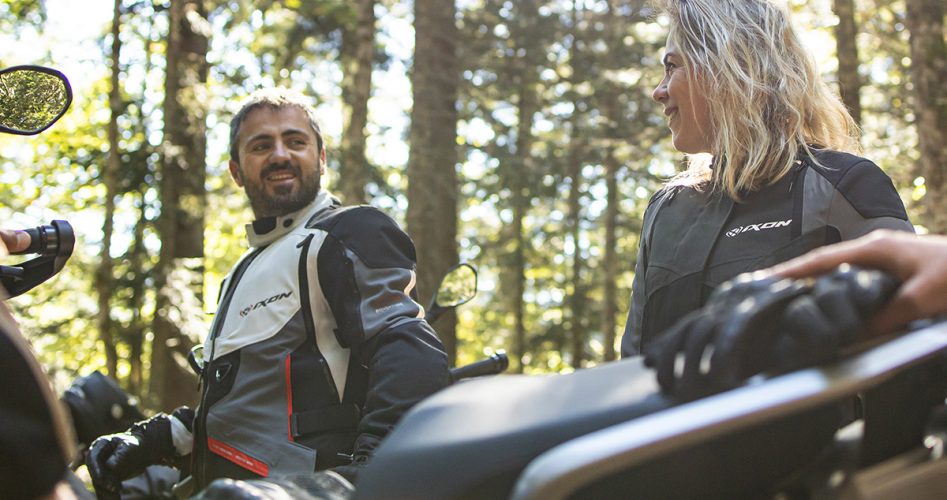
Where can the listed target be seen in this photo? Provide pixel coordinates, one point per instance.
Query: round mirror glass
(458, 286)
(32, 98)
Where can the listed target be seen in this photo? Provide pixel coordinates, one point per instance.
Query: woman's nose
(660, 93)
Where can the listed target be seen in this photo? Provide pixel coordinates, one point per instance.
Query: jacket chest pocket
(219, 375)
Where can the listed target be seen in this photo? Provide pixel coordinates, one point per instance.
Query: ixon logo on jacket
(758, 227)
(264, 303)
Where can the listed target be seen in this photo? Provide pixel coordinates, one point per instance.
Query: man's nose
(280, 152)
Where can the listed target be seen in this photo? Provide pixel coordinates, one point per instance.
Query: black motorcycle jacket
(693, 240)
(36, 438)
(317, 349)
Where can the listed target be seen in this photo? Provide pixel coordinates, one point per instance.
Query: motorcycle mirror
(195, 358)
(458, 286)
(32, 98)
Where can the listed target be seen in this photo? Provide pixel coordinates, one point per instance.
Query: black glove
(820, 323)
(99, 406)
(318, 485)
(116, 457)
(757, 323)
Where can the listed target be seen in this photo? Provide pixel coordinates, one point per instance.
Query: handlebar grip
(37, 241)
(493, 365)
(47, 240)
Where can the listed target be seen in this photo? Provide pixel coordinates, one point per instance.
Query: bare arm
(920, 262)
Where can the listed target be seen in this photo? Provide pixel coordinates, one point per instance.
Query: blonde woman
(783, 177)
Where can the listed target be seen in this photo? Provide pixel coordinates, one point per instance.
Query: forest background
(519, 136)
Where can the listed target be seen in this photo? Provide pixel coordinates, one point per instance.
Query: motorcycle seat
(474, 439)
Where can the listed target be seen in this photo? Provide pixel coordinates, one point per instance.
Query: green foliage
(16, 15)
(591, 66)
(588, 71)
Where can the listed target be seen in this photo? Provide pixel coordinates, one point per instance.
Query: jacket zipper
(307, 312)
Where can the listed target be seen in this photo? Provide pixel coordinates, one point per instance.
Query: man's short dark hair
(276, 98)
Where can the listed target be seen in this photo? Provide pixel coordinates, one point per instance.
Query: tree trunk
(104, 279)
(136, 329)
(610, 260)
(577, 332)
(519, 280)
(179, 273)
(357, 54)
(432, 162)
(526, 108)
(527, 105)
(616, 133)
(847, 52)
(929, 70)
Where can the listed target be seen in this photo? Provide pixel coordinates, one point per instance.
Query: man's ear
(322, 161)
(235, 173)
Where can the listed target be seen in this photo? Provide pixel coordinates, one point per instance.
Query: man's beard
(283, 200)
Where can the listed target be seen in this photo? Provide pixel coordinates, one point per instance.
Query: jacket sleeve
(863, 199)
(406, 364)
(368, 277)
(33, 459)
(631, 339)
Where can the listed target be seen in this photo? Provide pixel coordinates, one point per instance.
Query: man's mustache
(275, 167)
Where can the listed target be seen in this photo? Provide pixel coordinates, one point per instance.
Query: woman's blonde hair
(766, 99)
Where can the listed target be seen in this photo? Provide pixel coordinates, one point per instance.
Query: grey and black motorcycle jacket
(693, 240)
(318, 347)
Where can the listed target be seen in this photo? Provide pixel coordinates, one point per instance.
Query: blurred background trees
(517, 135)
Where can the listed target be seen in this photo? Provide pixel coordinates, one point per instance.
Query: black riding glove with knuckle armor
(758, 322)
(117, 457)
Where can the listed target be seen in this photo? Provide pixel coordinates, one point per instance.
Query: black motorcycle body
(608, 432)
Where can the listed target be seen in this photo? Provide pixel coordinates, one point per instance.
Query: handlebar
(45, 239)
(54, 243)
(493, 365)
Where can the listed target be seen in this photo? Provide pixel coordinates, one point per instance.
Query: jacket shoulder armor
(665, 191)
(866, 187)
(371, 234)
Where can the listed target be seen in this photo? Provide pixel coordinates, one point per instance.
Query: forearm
(406, 364)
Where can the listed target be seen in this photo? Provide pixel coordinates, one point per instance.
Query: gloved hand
(116, 457)
(324, 485)
(757, 323)
(99, 406)
(828, 318)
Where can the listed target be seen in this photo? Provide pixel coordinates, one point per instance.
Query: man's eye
(669, 66)
(260, 146)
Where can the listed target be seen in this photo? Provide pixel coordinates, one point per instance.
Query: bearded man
(318, 346)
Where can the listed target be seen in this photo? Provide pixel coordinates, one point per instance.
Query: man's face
(280, 164)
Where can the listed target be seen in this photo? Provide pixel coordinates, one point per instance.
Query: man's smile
(280, 174)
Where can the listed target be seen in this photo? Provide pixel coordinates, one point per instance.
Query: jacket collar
(268, 229)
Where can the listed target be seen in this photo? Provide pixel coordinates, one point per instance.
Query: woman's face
(684, 105)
